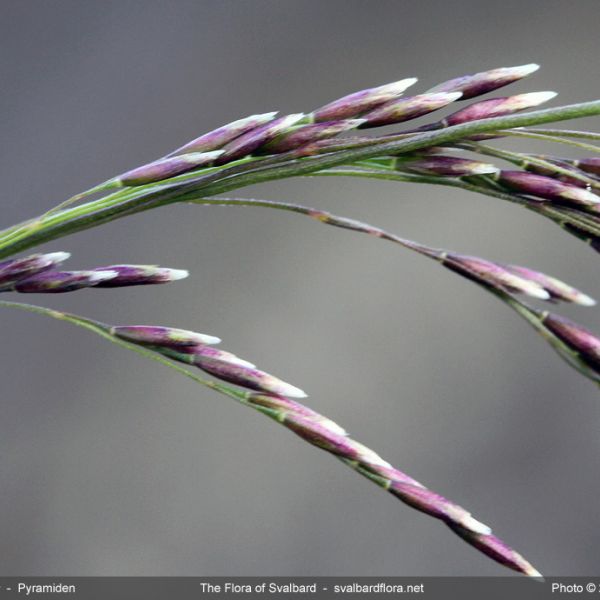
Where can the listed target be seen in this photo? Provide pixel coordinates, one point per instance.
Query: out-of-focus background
(111, 465)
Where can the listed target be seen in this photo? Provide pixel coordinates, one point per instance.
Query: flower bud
(217, 138)
(14, 269)
(247, 377)
(493, 275)
(54, 282)
(254, 139)
(127, 275)
(167, 167)
(549, 188)
(589, 165)
(580, 340)
(170, 337)
(451, 166)
(549, 171)
(321, 435)
(287, 405)
(404, 109)
(486, 81)
(358, 103)
(496, 549)
(557, 289)
(201, 355)
(436, 506)
(304, 134)
(496, 107)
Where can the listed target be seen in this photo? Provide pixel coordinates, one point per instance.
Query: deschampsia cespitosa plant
(333, 141)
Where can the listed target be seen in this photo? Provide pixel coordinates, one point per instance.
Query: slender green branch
(550, 138)
(584, 135)
(560, 217)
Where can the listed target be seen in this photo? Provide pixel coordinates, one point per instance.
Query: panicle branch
(276, 399)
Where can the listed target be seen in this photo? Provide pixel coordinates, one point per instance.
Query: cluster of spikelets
(308, 134)
(38, 273)
(559, 188)
(277, 399)
(562, 189)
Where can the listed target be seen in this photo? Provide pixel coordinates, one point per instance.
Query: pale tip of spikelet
(450, 96)
(584, 300)
(524, 70)
(333, 427)
(209, 339)
(397, 87)
(212, 154)
(267, 115)
(475, 526)
(585, 196)
(537, 292)
(176, 274)
(533, 572)
(291, 391)
(382, 463)
(484, 169)
(98, 276)
(353, 123)
(235, 360)
(293, 118)
(540, 97)
(58, 257)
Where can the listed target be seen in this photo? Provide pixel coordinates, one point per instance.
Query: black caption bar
(296, 588)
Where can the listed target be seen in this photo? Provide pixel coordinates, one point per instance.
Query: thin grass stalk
(561, 217)
(583, 135)
(556, 139)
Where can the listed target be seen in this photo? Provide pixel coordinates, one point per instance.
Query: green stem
(550, 138)
(328, 219)
(584, 135)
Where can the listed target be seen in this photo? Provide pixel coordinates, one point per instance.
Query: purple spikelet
(127, 275)
(405, 109)
(356, 104)
(584, 343)
(56, 282)
(254, 139)
(486, 81)
(15, 269)
(167, 167)
(549, 189)
(213, 140)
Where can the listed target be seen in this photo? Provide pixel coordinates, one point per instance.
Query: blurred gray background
(114, 466)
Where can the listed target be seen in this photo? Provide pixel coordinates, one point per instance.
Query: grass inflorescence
(337, 140)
